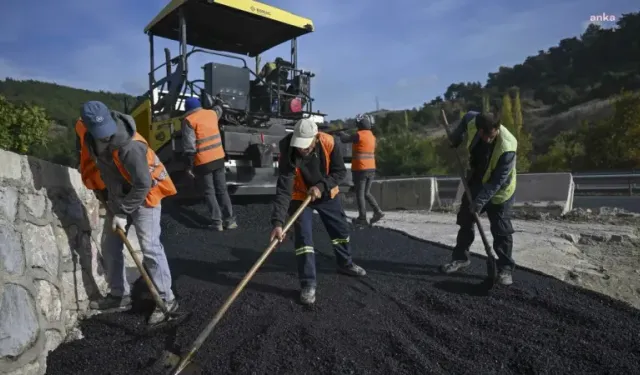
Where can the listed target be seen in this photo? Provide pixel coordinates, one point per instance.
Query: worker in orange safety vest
(136, 182)
(310, 164)
(204, 156)
(363, 167)
(87, 167)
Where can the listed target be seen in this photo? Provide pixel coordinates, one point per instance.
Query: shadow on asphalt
(182, 209)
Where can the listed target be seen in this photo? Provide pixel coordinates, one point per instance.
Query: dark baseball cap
(97, 118)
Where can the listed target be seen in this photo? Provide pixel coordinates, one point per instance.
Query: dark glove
(188, 160)
(476, 208)
(101, 195)
(219, 102)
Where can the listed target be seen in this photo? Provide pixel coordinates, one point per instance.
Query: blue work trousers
(335, 222)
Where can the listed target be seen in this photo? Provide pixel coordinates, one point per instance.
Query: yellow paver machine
(264, 103)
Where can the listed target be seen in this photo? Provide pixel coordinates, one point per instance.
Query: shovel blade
(492, 272)
(168, 363)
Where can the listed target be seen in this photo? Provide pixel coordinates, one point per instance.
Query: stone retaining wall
(50, 262)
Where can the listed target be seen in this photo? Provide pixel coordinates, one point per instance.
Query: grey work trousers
(217, 197)
(362, 181)
(146, 220)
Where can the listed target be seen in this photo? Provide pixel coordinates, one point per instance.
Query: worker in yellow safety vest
(116, 157)
(492, 181)
(363, 167)
(310, 164)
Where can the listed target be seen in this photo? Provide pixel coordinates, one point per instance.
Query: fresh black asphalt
(402, 318)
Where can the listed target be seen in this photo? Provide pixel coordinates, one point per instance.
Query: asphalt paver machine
(264, 103)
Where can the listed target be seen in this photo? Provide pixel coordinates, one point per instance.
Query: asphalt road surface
(402, 318)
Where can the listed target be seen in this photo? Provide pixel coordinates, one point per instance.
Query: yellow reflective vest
(506, 142)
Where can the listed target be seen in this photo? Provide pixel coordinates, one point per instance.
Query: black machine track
(402, 318)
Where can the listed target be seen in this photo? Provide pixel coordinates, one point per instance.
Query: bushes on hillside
(604, 145)
(22, 127)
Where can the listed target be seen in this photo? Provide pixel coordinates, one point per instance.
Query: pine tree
(524, 139)
(517, 114)
(506, 115)
(486, 103)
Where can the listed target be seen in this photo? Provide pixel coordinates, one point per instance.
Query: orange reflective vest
(363, 152)
(161, 184)
(299, 186)
(88, 168)
(208, 142)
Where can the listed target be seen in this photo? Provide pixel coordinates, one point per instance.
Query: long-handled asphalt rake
(175, 364)
(492, 267)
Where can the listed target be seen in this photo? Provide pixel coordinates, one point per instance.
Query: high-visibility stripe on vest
(161, 184)
(300, 188)
(208, 141)
(505, 142)
(363, 152)
(88, 169)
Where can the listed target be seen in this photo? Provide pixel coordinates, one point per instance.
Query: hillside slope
(62, 103)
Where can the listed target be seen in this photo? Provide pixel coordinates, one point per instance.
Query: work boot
(505, 278)
(360, 222)
(158, 315)
(352, 270)
(231, 225)
(377, 216)
(455, 265)
(308, 295)
(216, 227)
(111, 302)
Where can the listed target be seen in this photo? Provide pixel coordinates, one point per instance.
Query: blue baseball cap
(191, 103)
(97, 118)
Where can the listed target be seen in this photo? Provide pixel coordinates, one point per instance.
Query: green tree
(60, 149)
(614, 144)
(486, 103)
(566, 154)
(506, 114)
(22, 127)
(524, 138)
(405, 154)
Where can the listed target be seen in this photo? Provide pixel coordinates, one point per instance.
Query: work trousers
(335, 222)
(217, 197)
(501, 230)
(146, 220)
(362, 181)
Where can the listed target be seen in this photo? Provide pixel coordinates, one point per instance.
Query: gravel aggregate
(402, 318)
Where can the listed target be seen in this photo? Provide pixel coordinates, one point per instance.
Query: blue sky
(404, 52)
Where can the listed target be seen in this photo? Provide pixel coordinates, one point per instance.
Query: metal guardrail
(585, 183)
